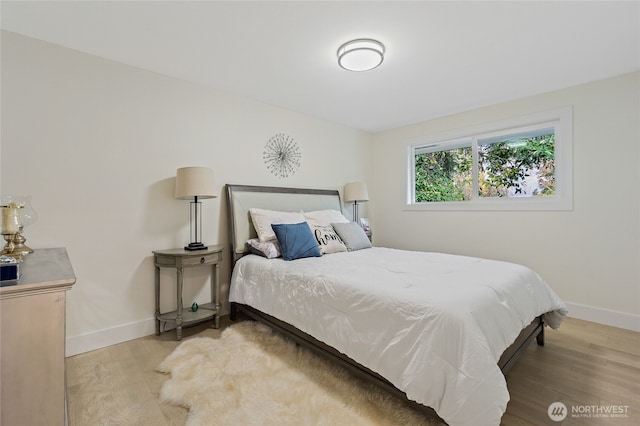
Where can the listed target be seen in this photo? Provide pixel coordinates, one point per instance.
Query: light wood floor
(582, 365)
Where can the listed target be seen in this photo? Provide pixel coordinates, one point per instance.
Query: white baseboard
(109, 336)
(604, 316)
(122, 333)
(114, 335)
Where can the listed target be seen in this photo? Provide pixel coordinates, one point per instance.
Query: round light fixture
(362, 54)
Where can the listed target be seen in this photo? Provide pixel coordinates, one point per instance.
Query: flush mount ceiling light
(362, 54)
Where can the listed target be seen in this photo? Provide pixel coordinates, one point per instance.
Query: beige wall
(97, 144)
(590, 255)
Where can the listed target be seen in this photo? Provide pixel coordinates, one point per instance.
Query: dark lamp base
(195, 246)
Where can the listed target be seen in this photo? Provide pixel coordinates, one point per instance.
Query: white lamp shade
(194, 182)
(356, 191)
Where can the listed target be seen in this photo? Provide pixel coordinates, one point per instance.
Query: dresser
(32, 340)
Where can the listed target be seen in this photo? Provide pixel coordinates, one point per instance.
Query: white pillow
(328, 240)
(326, 217)
(263, 219)
(268, 249)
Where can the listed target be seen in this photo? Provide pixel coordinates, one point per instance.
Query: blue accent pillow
(296, 240)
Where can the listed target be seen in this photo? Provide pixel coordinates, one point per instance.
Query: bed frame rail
(535, 330)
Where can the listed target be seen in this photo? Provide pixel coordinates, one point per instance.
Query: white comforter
(432, 324)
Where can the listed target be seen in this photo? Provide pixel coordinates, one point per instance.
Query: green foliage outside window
(507, 165)
(444, 175)
(506, 168)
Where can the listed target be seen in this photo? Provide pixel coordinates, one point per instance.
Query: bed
(438, 330)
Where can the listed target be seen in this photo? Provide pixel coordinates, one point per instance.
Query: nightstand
(180, 259)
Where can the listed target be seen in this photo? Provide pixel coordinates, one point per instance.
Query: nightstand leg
(179, 303)
(215, 290)
(157, 285)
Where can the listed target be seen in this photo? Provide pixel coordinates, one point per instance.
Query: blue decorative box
(9, 269)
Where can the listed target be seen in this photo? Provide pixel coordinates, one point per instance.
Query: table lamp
(195, 183)
(354, 192)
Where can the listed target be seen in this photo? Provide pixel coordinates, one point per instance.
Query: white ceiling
(442, 57)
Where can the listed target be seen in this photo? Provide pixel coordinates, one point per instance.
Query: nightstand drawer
(202, 260)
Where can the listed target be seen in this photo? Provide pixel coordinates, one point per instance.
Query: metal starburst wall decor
(281, 155)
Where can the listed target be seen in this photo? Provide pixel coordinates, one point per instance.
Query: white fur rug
(252, 376)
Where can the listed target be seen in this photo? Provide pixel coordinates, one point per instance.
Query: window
(519, 164)
(443, 172)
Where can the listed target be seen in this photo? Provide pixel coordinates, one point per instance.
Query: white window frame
(560, 119)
